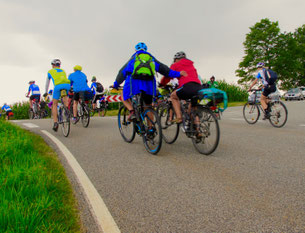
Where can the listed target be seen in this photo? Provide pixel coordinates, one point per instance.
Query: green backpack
(144, 67)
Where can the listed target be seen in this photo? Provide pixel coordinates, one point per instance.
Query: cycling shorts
(58, 88)
(269, 89)
(188, 90)
(9, 113)
(36, 97)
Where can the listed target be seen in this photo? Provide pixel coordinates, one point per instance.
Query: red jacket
(186, 65)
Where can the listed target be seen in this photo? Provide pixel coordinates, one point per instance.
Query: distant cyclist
(97, 90)
(60, 82)
(35, 93)
(268, 78)
(7, 110)
(212, 83)
(80, 87)
(139, 76)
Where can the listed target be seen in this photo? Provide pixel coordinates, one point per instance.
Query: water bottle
(98, 103)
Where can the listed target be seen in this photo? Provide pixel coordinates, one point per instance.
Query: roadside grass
(35, 194)
(235, 104)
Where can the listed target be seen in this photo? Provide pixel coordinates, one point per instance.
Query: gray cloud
(100, 35)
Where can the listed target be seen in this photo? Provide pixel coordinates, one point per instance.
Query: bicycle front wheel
(208, 130)
(85, 116)
(65, 121)
(170, 131)
(251, 113)
(278, 114)
(127, 129)
(152, 138)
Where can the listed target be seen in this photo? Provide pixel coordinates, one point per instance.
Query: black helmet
(93, 79)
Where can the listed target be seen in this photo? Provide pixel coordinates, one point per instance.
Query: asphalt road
(253, 182)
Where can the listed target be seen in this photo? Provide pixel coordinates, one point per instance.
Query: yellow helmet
(77, 67)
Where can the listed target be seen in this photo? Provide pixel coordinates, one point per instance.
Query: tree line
(282, 52)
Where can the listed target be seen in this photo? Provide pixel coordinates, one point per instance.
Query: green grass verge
(35, 194)
(235, 104)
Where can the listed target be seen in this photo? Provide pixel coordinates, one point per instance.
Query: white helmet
(56, 62)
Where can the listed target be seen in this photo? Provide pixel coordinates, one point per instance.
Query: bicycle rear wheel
(103, 110)
(251, 113)
(278, 114)
(170, 131)
(85, 116)
(127, 129)
(31, 114)
(65, 120)
(209, 130)
(152, 138)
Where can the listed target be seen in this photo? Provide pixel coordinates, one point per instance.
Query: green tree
(260, 46)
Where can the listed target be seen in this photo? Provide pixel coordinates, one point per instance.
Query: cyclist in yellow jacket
(61, 82)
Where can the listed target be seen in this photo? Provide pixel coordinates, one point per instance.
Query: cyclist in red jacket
(188, 85)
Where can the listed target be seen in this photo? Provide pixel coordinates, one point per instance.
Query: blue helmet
(260, 65)
(141, 46)
(50, 92)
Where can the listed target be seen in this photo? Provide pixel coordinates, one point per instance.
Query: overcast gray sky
(100, 35)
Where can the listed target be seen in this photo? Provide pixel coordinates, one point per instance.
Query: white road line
(237, 119)
(30, 125)
(98, 208)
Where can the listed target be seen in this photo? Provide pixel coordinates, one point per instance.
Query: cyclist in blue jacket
(139, 76)
(35, 93)
(80, 87)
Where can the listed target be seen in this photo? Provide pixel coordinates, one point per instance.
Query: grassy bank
(35, 194)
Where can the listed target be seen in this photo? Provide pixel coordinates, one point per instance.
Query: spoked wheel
(279, 114)
(251, 113)
(152, 137)
(86, 116)
(207, 140)
(127, 129)
(170, 131)
(65, 121)
(103, 110)
(31, 114)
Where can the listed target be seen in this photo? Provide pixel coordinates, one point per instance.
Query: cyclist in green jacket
(212, 83)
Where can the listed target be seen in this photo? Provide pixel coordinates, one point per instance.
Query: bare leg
(75, 108)
(54, 110)
(264, 102)
(176, 105)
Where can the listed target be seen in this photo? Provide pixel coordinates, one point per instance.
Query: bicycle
(101, 107)
(83, 112)
(278, 111)
(198, 123)
(34, 111)
(146, 124)
(63, 114)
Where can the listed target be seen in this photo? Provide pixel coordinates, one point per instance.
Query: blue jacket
(79, 81)
(135, 86)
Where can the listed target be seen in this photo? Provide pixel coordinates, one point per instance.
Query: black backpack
(99, 87)
(271, 76)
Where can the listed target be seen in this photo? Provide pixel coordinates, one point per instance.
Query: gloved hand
(115, 85)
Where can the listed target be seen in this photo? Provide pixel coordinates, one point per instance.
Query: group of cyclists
(138, 76)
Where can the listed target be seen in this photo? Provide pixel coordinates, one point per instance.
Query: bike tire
(276, 114)
(31, 114)
(251, 113)
(85, 116)
(208, 143)
(65, 121)
(126, 128)
(152, 140)
(170, 131)
(103, 111)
